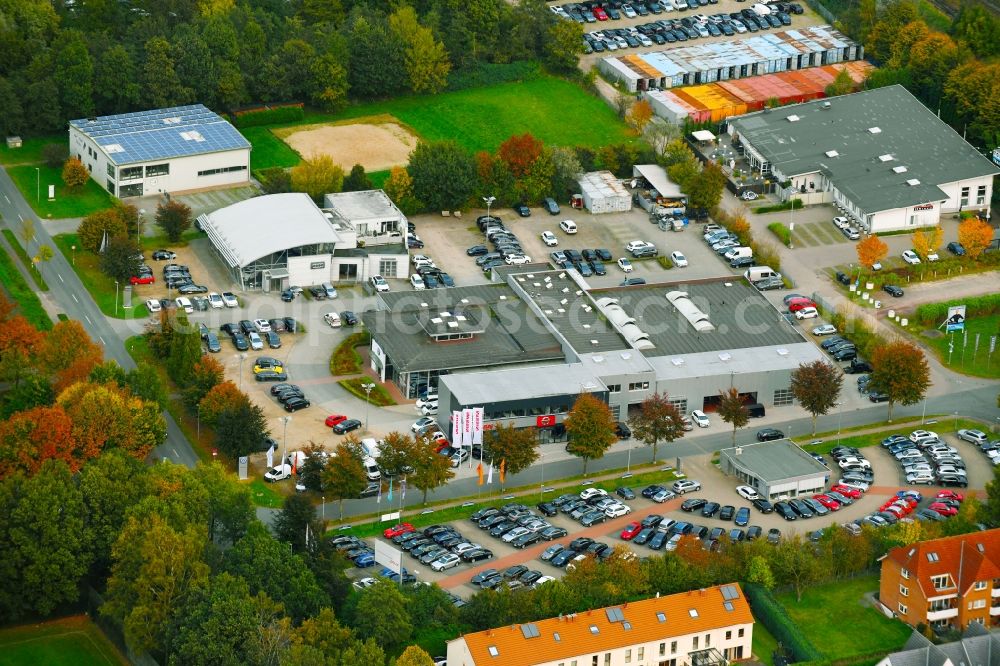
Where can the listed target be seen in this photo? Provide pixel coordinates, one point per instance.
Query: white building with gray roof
(880, 155)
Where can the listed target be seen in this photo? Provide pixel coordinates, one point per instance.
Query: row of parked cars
(515, 577)
(991, 449)
(291, 397)
(925, 459)
(726, 244)
(506, 246)
(427, 275)
(247, 334)
(587, 262)
(516, 525)
(441, 547)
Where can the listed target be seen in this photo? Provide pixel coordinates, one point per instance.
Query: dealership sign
(924, 207)
(956, 318)
(545, 421)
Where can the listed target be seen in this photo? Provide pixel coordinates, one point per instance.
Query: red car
(943, 509)
(853, 493)
(798, 304)
(828, 502)
(396, 530)
(900, 502)
(142, 279)
(631, 530)
(439, 445)
(896, 510)
(334, 419)
(950, 494)
(600, 14)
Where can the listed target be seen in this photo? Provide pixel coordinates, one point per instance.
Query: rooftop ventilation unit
(793, 118)
(874, 130)
(782, 352)
(698, 319)
(913, 182)
(832, 153)
(677, 361)
(885, 158)
(725, 356)
(825, 105)
(899, 169)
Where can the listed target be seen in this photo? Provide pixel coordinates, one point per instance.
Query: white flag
(467, 427)
(478, 413)
(270, 457)
(489, 476)
(456, 426)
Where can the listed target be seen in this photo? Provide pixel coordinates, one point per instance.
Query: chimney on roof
(489, 632)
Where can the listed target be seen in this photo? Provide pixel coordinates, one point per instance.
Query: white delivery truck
(758, 273)
(738, 252)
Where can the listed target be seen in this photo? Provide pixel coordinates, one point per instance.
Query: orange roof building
(709, 626)
(944, 582)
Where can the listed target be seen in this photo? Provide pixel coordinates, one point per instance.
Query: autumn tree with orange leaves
(68, 354)
(640, 114)
(975, 236)
(871, 250)
(29, 438)
(926, 241)
(520, 153)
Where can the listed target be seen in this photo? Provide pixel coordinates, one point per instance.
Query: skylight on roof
(913, 182)
(932, 557)
(594, 629)
(899, 169)
(113, 148)
(173, 120)
(693, 612)
(793, 118)
(832, 153)
(626, 625)
(885, 158)
(530, 630)
(556, 637)
(728, 605)
(874, 130)
(729, 592)
(661, 617)
(614, 614)
(494, 652)
(192, 135)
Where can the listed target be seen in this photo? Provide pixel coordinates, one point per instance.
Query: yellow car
(265, 363)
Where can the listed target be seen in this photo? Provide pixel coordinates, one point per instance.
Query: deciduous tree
(297, 516)
(640, 114)
(399, 188)
(230, 509)
(94, 227)
(705, 191)
(185, 350)
(19, 342)
(111, 485)
(816, 386)
(900, 370)
(657, 420)
(317, 176)
(871, 250)
(414, 655)
(74, 174)
(344, 475)
(240, 430)
(394, 453)
(155, 570)
(759, 572)
(732, 410)
(174, 217)
(357, 180)
(927, 241)
(68, 354)
(841, 84)
(520, 152)
(443, 174)
(425, 58)
(590, 427)
(382, 615)
(206, 373)
(29, 438)
(796, 565)
(975, 236)
(517, 446)
(144, 382)
(562, 47)
(120, 259)
(161, 83)
(430, 470)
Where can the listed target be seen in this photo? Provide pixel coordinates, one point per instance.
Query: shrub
(345, 359)
(268, 115)
(378, 397)
(665, 262)
(783, 233)
(772, 615)
(54, 154)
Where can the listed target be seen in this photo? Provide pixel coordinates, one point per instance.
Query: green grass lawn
(35, 190)
(980, 364)
(940, 424)
(558, 112)
(838, 621)
(73, 641)
(31, 150)
(764, 644)
(15, 243)
(19, 291)
(100, 286)
(264, 493)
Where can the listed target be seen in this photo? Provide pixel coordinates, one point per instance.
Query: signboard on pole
(387, 555)
(956, 318)
(244, 463)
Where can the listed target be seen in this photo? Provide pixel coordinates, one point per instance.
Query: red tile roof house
(947, 582)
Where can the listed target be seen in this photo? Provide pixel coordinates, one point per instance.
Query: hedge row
(345, 360)
(268, 115)
(859, 332)
(935, 313)
(783, 233)
(772, 615)
(487, 73)
(764, 254)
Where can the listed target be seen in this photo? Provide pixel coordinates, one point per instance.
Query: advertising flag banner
(993, 343)
(456, 426)
(478, 413)
(402, 489)
(378, 498)
(503, 469)
(466, 427)
(479, 472)
(270, 457)
(489, 476)
(390, 490)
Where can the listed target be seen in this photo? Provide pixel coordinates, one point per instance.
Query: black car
(279, 388)
(633, 281)
(784, 510)
(522, 210)
(550, 205)
(622, 431)
(287, 295)
(346, 426)
(878, 396)
(550, 533)
(763, 505)
(580, 543)
(649, 491)
(273, 341)
(953, 480)
(240, 341)
(652, 520)
(163, 255)
(832, 342)
(547, 508)
(892, 290)
(212, 342)
(710, 509)
(371, 490)
(726, 513)
(625, 493)
(563, 558)
(349, 318)
(847, 354)
(954, 247)
(291, 325)
(270, 376)
(693, 504)
(753, 532)
(526, 540)
(644, 535)
(295, 404)
(477, 250)
(842, 278)
(801, 508)
(857, 367)
(659, 540)
(192, 289)
(769, 434)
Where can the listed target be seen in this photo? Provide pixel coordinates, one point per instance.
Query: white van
(738, 252)
(760, 9)
(755, 273)
(370, 447)
(371, 469)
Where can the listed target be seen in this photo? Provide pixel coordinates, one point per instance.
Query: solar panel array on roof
(729, 592)
(161, 133)
(529, 630)
(614, 614)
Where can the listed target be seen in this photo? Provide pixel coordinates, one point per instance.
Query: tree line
(64, 61)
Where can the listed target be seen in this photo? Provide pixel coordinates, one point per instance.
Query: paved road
(70, 297)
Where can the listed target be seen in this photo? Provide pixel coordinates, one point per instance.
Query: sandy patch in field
(376, 147)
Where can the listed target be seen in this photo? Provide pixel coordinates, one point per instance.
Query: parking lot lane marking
(88, 320)
(75, 298)
(7, 198)
(59, 275)
(102, 340)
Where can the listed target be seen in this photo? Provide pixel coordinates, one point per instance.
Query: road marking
(176, 455)
(60, 277)
(7, 198)
(102, 341)
(19, 217)
(75, 298)
(88, 320)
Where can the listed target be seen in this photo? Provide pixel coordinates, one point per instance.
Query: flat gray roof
(522, 383)
(364, 205)
(511, 333)
(742, 318)
(774, 461)
(869, 133)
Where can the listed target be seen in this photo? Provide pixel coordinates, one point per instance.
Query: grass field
(939, 424)
(858, 628)
(72, 641)
(964, 358)
(558, 112)
(31, 150)
(100, 286)
(15, 243)
(35, 187)
(764, 644)
(264, 493)
(19, 291)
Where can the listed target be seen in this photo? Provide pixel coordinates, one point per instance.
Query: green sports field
(73, 641)
(558, 112)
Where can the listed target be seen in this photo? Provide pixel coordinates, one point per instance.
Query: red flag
(503, 469)
(479, 471)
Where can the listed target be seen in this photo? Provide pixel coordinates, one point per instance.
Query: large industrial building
(279, 240)
(880, 155)
(166, 150)
(733, 59)
(707, 627)
(525, 347)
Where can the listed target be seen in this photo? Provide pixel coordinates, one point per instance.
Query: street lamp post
(840, 419)
(38, 184)
(116, 298)
(199, 423)
(923, 412)
(628, 461)
(73, 247)
(541, 486)
(323, 508)
(367, 386)
(242, 358)
(489, 202)
(284, 437)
